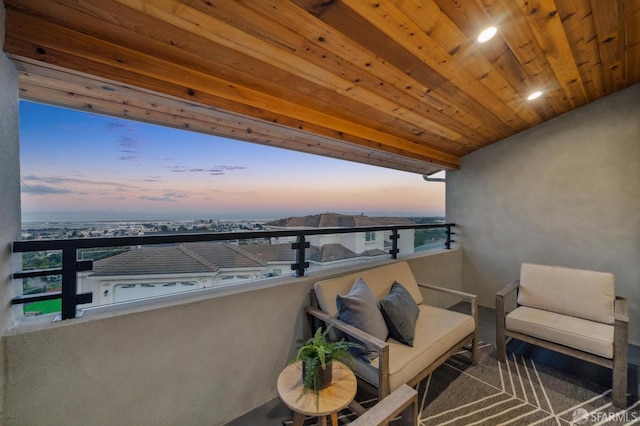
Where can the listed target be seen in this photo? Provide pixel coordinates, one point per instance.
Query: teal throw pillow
(359, 308)
(400, 312)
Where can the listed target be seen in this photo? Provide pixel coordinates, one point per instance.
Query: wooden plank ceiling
(397, 83)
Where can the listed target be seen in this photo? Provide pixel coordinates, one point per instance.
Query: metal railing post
(69, 282)
(448, 241)
(300, 247)
(394, 243)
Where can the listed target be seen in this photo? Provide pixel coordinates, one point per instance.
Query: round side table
(333, 398)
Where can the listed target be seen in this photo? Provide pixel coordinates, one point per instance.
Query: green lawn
(45, 306)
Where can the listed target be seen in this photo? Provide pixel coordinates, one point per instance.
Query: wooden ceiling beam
(577, 20)
(371, 67)
(609, 25)
(430, 83)
(182, 15)
(103, 55)
(467, 51)
(402, 29)
(118, 24)
(44, 83)
(544, 21)
(401, 81)
(519, 38)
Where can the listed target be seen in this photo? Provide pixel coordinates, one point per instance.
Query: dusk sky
(81, 166)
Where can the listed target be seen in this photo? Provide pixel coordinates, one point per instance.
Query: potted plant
(317, 354)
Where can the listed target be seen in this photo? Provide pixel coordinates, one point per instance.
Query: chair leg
(619, 382)
(474, 350)
(501, 348)
(620, 356)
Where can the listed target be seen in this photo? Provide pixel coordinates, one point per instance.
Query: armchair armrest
(621, 311)
(508, 289)
(500, 295)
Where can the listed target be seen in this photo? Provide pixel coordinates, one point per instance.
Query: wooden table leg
(298, 419)
(323, 420)
(334, 419)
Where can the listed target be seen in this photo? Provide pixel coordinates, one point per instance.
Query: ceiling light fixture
(534, 95)
(487, 33)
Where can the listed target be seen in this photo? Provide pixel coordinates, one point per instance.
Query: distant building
(161, 270)
(355, 242)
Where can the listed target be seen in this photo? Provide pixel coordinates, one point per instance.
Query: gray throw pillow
(359, 308)
(400, 312)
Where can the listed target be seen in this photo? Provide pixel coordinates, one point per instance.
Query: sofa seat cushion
(585, 335)
(437, 331)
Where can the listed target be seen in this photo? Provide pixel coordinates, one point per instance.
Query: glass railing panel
(104, 271)
(429, 239)
(47, 284)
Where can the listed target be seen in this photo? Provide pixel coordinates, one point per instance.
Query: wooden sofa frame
(618, 364)
(402, 401)
(470, 342)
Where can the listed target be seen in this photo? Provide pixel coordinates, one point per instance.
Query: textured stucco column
(10, 221)
(9, 197)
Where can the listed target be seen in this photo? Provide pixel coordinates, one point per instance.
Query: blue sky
(77, 165)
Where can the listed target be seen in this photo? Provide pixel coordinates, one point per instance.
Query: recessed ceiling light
(487, 34)
(534, 95)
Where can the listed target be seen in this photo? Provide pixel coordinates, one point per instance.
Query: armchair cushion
(578, 333)
(400, 312)
(359, 308)
(583, 294)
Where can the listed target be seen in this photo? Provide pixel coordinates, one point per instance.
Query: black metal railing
(71, 265)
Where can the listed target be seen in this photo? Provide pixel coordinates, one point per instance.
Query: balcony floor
(273, 412)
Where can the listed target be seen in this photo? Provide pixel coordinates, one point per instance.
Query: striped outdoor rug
(520, 392)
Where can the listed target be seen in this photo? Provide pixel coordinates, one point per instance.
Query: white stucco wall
(566, 192)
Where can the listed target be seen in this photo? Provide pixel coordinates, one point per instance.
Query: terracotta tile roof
(329, 252)
(178, 259)
(336, 220)
(206, 257)
(271, 252)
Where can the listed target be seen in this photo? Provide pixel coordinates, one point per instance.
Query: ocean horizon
(110, 217)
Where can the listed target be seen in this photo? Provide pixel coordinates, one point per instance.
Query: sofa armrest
(402, 400)
(466, 296)
(373, 343)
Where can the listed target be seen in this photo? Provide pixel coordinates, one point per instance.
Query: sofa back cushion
(579, 293)
(379, 279)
